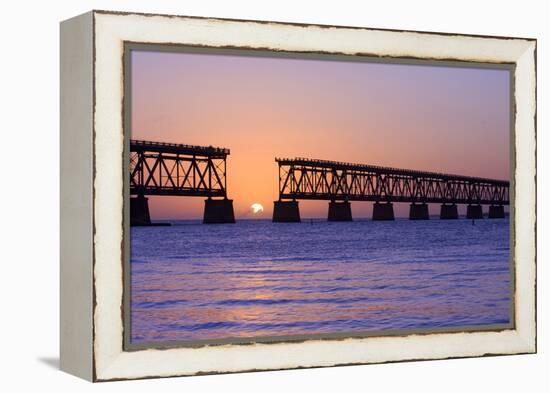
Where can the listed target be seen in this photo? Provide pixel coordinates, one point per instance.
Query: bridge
(341, 182)
(158, 168)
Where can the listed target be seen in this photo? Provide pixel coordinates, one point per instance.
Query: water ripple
(255, 278)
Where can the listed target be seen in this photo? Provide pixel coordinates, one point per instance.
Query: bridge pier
(419, 211)
(218, 211)
(474, 212)
(339, 211)
(286, 211)
(139, 211)
(496, 211)
(449, 212)
(382, 211)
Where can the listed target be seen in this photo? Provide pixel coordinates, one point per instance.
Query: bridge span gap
(340, 183)
(170, 169)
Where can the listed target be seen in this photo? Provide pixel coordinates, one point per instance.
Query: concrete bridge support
(449, 212)
(496, 211)
(382, 211)
(474, 212)
(218, 211)
(419, 211)
(139, 211)
(339, 211)
(286, 211)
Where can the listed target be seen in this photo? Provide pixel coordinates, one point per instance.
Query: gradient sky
(444, 119)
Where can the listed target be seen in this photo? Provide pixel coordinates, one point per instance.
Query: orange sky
(444, 119)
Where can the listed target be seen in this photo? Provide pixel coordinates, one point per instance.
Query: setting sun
(257, 208)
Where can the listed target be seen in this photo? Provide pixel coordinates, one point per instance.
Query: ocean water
(255, 278)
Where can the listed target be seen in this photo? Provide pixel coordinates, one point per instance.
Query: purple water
(192, 281)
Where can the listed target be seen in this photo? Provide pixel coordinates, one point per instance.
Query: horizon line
(303, 218)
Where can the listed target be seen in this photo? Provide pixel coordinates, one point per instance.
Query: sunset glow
(227, 264)
(434, 118)
(257, 208)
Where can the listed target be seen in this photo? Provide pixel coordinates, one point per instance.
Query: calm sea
(192, 281)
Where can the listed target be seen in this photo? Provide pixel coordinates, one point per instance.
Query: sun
(257, 208)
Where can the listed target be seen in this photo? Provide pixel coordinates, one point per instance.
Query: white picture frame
(92, 197)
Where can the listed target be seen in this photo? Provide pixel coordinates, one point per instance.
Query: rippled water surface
(192, 281)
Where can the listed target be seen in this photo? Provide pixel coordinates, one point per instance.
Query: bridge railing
(177, 148)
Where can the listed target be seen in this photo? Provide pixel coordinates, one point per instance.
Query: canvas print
(279, 196)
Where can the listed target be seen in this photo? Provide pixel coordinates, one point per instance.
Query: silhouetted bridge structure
(158, 168)
(340, 183)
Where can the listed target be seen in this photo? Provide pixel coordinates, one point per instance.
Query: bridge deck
(177, 148)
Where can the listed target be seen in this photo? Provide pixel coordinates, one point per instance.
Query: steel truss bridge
(171, 169)
(342, 182)
(302, 178)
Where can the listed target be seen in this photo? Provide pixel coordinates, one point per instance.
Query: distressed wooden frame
(92, 198)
